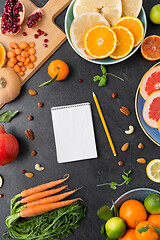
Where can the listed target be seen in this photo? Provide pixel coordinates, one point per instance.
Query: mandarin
(58, 67)
(155, 219)
(150, 234)
(129, 235)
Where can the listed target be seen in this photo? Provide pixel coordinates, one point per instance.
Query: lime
(152, 203)
(155, 14)
(1, 181)
(105, 213)
(115, 227)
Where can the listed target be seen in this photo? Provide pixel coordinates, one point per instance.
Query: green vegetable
(56, 224)
(116, 214)
(114, 185)
(146, 228)
(103, 230)
(1, 181)
(103, 79)
(49, 82)
(7, 116)
(105, 213)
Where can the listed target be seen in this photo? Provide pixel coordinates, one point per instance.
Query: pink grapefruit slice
(150, 82)
(151, 110)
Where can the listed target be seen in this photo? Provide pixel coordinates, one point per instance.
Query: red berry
(23, 171)
(42, 32)
(45, 45)
(45, 40)
(24, 34)
(45, 34)
(35, 36)
(80, 80)
(39, 30)
(39, 33)
(114, 95)
(1, 195)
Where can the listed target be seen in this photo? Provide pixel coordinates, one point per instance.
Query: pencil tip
(115, 155)
(93, 94)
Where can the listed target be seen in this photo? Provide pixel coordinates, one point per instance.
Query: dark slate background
(87, 173)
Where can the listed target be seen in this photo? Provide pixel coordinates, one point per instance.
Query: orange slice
(100, 41)
(134, 25)
(125, 42)
(2, 56)
(150, 48)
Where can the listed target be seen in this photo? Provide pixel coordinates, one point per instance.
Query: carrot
(51, 199)
(42, 187)
(40, 209)
(40, 195)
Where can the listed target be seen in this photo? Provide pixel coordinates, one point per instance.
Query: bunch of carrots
(38, 200)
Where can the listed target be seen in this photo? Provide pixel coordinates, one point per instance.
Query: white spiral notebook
(74, 132)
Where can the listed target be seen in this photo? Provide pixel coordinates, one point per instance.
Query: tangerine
(150, 234)
(132, 212)
(58, 67)
(155, 219)
(129, 235)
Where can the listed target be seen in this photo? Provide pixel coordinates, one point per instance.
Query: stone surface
(86, 173)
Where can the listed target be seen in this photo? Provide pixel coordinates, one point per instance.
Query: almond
(125, 147)
(125, 111)
(120, 163)
(141, 160)
(32, 92)
(140, 145)
(29, 175)
(29, 134)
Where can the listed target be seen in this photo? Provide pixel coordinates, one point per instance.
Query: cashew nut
(38, 167)
(130, 131)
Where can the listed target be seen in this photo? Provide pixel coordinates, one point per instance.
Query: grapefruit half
(151, 110)
(150, 82)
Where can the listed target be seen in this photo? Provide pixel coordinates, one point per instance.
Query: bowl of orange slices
(103, 31)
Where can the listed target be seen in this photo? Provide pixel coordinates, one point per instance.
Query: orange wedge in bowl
(125, 42)
(134, 25)
(2, 56)
(100, 41)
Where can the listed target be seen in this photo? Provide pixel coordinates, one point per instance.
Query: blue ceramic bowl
(138, 194)
(152, 133)
(106, 61)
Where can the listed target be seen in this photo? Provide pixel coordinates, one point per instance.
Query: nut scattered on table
(32, 92)
(38, 167)
(29, 134)
(125, 147)
(141, 160)
(130, 130)
(40, 104)
(125, 111)
(30, 118)
(114, 95)
(120, 163)
(33, 153)
(140, 145)
(29, 175)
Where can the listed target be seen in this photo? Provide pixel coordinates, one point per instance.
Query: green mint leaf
(7, 116)
(96, 78)
(128, 181)
(103, 69)
(129, 172)
(105, 213)
(102, 81)
(143, 229)
(157, 230)
(113, 185)
(116, 214)
(103, 230)
(124, 177)
(50, 82)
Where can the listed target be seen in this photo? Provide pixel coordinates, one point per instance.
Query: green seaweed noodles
(53, 225)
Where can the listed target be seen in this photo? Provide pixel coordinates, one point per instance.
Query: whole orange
(133, 212)
(58, 67)
(129, 235)
(150, 234)
(155, 219)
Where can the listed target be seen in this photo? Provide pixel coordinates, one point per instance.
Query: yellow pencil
(104, 124)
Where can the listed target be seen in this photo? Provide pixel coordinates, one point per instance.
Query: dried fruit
(80, 80)
(130, 131)
(29, 134)
(32, 92)
(33, 153)
(40, 104)
(140, 145)
(1, 195)
(114, 95)
(125, 147)
(1, 181)
(35, 17)
(125, 111)
(141, 160)
(30, 118)
(12, 17)
(38, 167)
(29, 175)
(120, 163)
(24, 171)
